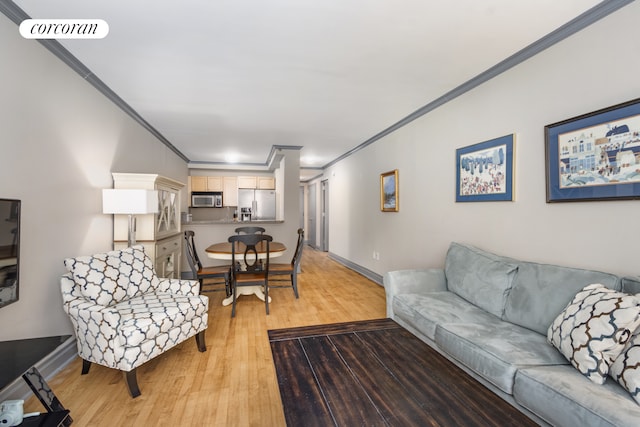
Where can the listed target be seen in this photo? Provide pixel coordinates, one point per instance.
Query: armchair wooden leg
(85, 367)
(202, 346)
(132, 383)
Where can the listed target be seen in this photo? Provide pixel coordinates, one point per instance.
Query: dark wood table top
(224, 249)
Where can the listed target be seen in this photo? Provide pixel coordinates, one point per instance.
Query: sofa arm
(179, 287)
(414, 282)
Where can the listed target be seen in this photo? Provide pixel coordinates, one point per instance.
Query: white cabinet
(159, 233)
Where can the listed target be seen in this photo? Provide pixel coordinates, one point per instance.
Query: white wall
(60, 140)
(593, 69)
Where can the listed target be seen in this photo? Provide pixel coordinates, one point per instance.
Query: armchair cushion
(144, 317)
(111, 277)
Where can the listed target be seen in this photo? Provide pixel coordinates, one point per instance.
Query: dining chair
(291, 269)
(250, 230)
(201, 273)
(248, 269)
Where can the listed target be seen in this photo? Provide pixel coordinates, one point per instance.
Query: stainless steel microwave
(206, 199)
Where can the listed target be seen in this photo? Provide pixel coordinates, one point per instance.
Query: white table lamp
(126, 201)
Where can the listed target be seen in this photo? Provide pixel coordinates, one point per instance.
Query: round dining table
(223, 250)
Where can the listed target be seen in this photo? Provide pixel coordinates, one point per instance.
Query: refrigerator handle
(254, 209)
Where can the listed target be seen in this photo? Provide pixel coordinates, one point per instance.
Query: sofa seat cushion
(480, 277)
(145, 317)
(425, 311)
(496, 350)
(563, 397)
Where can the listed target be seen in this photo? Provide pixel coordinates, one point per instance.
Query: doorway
(324, 212)
(311, 235)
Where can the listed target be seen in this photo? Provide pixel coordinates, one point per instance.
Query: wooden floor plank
(331, 329)
(349, 403)
(395, 403)
(298, 386)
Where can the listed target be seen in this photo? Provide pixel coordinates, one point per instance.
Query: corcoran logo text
(64, 29)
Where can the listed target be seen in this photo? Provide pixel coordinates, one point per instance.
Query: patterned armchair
(124, 315)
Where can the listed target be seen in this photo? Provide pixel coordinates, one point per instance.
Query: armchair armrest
(179, 287)
(412, 281)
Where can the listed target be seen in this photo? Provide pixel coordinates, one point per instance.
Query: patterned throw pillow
(594, 328)
(112, 277)
(626, 367)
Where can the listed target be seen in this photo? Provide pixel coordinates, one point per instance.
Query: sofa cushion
(114, 276)
(482, 278)
(425, 311)
(541, 291)
(593, 329)
(562, 397)
(631, 284)
(496, 350)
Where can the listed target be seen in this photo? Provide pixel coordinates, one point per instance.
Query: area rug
(375, 372)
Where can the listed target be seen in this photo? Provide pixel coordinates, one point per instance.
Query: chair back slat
(249, 251)
(191, 254)
(250, 230)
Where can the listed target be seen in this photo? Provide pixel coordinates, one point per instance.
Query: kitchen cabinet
(206, 183)
(159, 233)
(257, 182)
(266, 183)
(198, 183)
(230, 191)
(247, 182)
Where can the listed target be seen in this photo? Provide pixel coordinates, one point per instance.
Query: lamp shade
(129, 201)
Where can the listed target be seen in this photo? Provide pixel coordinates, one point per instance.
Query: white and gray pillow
(594, 328)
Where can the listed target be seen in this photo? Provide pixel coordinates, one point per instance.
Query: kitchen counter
(226, 221)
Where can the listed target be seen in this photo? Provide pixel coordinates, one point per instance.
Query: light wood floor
(234, 382)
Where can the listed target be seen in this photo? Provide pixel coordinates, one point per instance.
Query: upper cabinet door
(230, 191)
(247, 182)
(266, 183)
(198, 183)
(214, 183)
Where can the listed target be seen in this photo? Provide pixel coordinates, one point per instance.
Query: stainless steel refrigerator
(261, 202)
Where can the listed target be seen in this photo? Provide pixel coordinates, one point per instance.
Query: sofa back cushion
(480, 277)
(111, 277)
(541, 291)
(631, 284)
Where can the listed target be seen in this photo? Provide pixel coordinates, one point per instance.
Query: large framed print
(595, 156)
(484, 171)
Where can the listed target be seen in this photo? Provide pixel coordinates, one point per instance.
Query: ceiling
(227, 80)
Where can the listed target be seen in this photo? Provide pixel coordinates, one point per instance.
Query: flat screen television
(9, 250)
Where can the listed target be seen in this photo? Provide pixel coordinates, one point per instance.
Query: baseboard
(48, 368)
(358, 268)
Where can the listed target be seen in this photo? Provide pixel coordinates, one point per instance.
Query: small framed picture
(595, 156)
(484, 171)
(389, 201)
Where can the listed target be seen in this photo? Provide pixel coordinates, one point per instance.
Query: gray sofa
(490, 314)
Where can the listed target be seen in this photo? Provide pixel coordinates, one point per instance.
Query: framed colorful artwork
(595, 156)
(484, 171)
